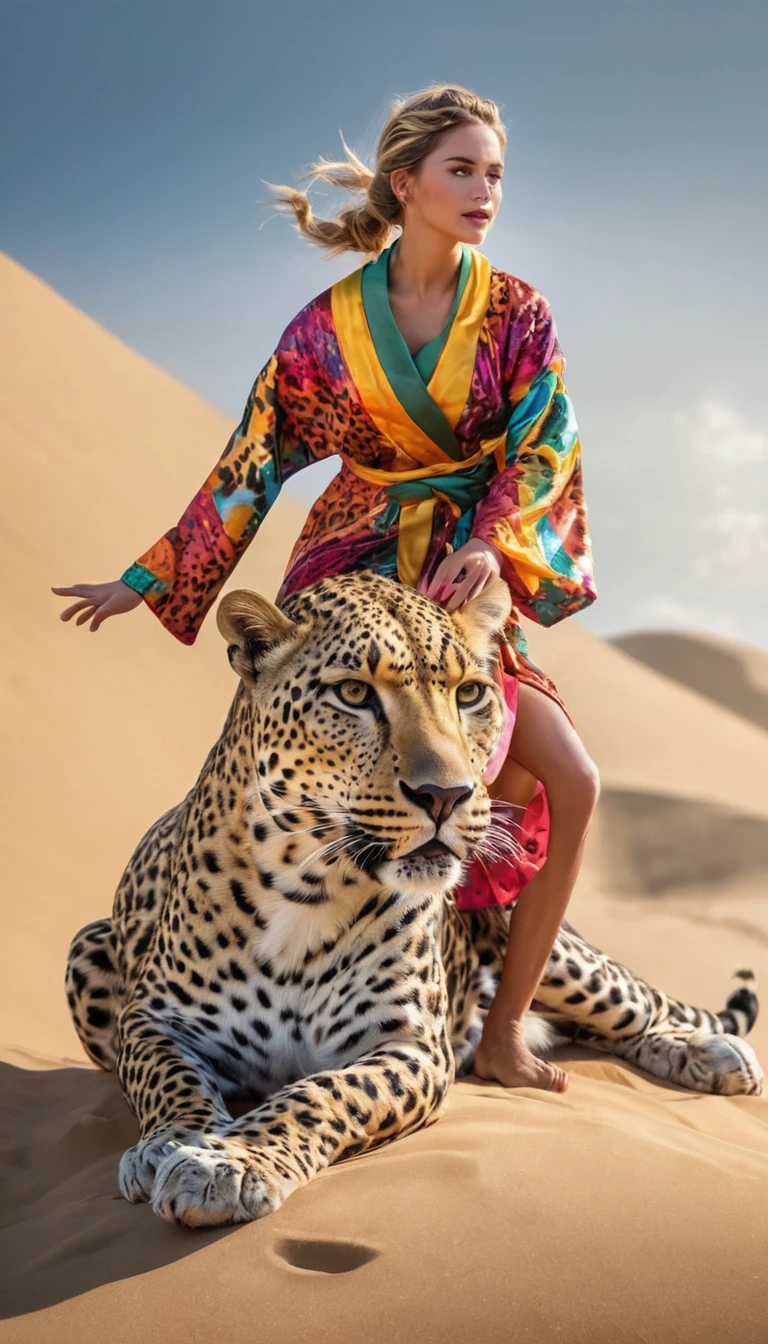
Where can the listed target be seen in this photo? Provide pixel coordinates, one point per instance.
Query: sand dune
(623, 1209)
(649, 732)
(684, 778)
(729, 673)
(102, 731)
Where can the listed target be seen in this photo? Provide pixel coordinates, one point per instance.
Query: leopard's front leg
(251, 1166)
(172, 1091)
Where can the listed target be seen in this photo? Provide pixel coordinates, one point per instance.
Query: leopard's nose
(436, 800)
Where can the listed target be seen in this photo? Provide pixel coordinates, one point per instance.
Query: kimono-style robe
(475, 436)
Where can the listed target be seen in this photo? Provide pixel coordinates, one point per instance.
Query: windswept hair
(412, 131)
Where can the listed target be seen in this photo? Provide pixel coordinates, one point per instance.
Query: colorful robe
(473, 437)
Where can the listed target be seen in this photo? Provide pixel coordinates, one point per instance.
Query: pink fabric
(500, 881)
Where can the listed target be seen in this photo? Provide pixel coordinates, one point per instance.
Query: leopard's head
(374, 714)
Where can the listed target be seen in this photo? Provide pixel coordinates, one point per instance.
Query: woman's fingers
(69, 612)
(442, 578)
(100, 615)
(461, 595)
(466, 592)
(86, 591)
(444, 585)
(477, 572)
(448, 571)
(98, 601)
(478, 569)
(102, 612)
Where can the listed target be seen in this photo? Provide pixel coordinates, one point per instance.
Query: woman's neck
(424, 267)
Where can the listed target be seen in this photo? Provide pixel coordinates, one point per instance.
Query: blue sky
(137, 139)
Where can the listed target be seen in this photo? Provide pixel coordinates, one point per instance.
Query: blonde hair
(412, 131)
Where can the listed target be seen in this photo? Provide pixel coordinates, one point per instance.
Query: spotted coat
(286, 933)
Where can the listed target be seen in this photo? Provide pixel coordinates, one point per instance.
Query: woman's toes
(558, 1079)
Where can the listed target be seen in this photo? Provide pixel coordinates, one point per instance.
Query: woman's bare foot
(503, 1056)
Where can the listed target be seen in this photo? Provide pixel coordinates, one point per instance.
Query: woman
(438, 381)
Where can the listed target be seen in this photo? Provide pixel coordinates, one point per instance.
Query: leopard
(286, 979)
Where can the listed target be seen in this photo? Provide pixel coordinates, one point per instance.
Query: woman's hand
(99, 600)
(479, 561)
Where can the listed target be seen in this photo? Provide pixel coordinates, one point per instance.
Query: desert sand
(624, 1209)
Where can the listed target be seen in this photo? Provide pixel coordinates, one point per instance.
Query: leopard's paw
(725, 1064)
(212, 1186)
(138, 1166)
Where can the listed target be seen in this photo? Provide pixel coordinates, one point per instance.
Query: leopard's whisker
(324, 852)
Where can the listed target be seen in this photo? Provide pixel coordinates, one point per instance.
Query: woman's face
(456, 189)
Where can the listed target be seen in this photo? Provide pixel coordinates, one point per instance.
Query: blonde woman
(438, 381)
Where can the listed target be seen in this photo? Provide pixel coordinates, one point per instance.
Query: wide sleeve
(534, 512)
(180, 576)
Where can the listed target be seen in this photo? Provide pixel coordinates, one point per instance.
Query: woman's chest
(383, 434)
(420, 322)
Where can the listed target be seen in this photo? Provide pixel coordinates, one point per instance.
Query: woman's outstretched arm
(180, 576)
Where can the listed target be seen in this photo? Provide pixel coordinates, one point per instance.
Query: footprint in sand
(325, 1257)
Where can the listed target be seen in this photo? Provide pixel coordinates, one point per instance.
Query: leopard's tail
(737, 1017)
(741, 1008)
(95, 990)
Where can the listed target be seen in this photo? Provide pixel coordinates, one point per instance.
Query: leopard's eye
(355, 693)
(470, 693)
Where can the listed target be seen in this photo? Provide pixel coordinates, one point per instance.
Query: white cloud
(732, 521)
(681, 521)
(717, 430)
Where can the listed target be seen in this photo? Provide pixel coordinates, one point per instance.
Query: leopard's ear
(482, 619)
(255, 631)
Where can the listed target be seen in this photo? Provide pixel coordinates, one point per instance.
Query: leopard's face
(374, 714)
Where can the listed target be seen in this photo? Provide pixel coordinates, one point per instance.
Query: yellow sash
(416, 515)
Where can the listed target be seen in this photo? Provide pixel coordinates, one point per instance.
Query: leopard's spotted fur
(278, 935)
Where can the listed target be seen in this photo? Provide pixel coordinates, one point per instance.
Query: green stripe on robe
(408, 376)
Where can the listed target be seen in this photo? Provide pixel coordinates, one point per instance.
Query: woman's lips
(478, 215)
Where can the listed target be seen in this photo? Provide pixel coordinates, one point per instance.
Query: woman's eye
(470, 694)
(357, 694)
(492, 177)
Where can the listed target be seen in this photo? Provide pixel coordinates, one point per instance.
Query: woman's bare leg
(546, 746)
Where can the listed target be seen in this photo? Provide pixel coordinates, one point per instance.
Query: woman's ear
(400, 182)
